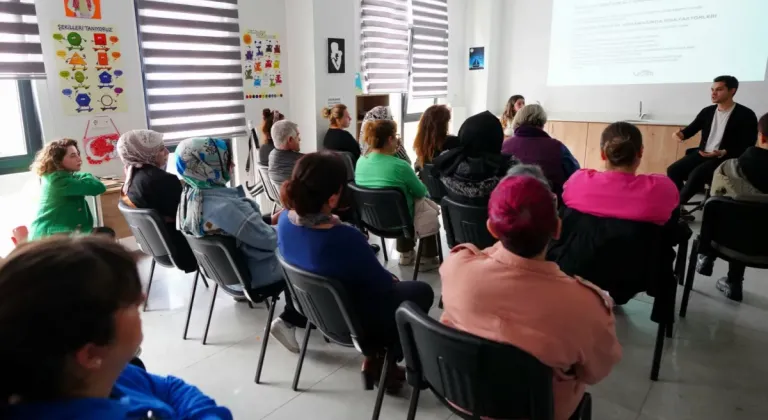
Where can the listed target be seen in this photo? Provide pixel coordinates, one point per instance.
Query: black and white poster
(336, 57)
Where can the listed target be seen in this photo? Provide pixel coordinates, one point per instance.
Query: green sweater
(63, 208)
(376, 170)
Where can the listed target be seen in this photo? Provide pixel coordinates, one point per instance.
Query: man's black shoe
(704, 265)
(732, 290)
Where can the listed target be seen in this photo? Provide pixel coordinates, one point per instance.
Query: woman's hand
(276, 217)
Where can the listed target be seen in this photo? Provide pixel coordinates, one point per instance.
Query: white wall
(300, 34)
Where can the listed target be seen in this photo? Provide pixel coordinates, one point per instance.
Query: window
(20, 54)
(22, 137)
(192, 78)
(429, 57)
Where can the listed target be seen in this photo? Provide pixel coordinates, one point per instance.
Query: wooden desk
(107, 213)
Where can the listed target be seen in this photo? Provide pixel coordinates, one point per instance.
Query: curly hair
(432, 132)
(49, 158)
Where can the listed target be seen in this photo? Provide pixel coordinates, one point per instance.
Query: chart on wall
(262, 71)
(89, 68)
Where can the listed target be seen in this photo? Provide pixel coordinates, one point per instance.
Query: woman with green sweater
(381, 168)
(63, 208)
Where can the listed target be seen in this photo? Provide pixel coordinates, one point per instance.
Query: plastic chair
(466, 224)
(325, 303)
(269, 188)
(222, 262)
(732, 230)
(434, 185)
(349, 163)
(486, 379)
(154, 240)
(385, 213)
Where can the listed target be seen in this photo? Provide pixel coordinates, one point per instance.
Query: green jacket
(63, 208)
(376, 170)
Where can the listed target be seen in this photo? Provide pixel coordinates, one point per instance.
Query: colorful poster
(88, 64)
(86, 9)
(262, 70)
(100, 140)
(477, 58)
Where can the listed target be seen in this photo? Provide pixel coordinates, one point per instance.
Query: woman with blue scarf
(209, 207)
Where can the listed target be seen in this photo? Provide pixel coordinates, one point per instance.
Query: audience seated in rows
(532, 145)
(312, 238)
(472, 170)
(337, 137)
(744, 178)
(69, 318)
(380, 168)
(148, 186)
(509, 293)
(287, 139)
(63, 208)
(514, 104)
(209, 207)
(432, 136)
(268, 119)
(376, 114)
(617, 224)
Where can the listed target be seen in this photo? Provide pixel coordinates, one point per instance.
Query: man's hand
(679, 136)
(713, 154)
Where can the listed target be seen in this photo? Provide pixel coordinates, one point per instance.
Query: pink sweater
(642, 198)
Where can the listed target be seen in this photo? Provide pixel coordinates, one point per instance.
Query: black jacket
(622, 257)
(740, 132)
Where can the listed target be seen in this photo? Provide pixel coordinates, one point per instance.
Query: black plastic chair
(434, 185)
(485, 378)
(154, 240)
(697, 205)
(222, 262)
(732, 230)
(349, 163)
(325, 303)
(466, 224)
(384, 212)
(269, 188)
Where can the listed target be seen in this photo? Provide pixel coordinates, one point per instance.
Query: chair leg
(414, 403)
(274, 207)
(440, 304)
(300, 363)
(419, 246)
(689, 278)
(210, 312)
(149, 284)
(657, 350)
(382, 385)
(384, 249)
(265, 339)
(202, 277)
(439, 247)
(191, 301)
(682, 257)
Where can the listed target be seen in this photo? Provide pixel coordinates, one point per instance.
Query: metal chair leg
(682, 257)
(265, 339)
(419, 246)
(149, 284)
(274, 207)
(191, 301)
(689, 278)
(202, 277)
(439, 241)
(414, 403)
(300, 363)
(657, 352)
(384, 249)
(382, 386)
(210, 312)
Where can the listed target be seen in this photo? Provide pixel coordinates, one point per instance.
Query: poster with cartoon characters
(89, 68)
(263, 75)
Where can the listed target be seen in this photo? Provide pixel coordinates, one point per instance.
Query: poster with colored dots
(263, 70)
(88, 61)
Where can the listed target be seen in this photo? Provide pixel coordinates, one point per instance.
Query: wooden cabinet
(573, 135)
(109, 215)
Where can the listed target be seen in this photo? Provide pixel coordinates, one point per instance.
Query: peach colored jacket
(566, 323)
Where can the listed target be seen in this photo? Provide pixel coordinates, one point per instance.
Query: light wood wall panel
(573, 135)
(660, 148)
(593, 159)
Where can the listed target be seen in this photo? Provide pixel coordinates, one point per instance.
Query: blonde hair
(378, 132)
(334, 114)
(533, 115)
(48, 159)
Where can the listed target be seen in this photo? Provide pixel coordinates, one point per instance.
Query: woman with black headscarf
(471, 171)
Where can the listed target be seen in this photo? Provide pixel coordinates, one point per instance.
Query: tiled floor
(714, 367)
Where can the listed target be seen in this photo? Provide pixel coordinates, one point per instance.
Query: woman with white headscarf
(149, 186)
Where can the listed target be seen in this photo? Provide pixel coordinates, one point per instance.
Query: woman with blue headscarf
(209, 207)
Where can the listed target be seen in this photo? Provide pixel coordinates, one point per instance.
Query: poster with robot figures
(89, 68)
(262, 69)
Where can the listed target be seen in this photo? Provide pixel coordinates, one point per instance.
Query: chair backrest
(738, 228)
(325, 303)
(433, 184)
(222, 262)
(466, 224)
(384, 211)
(269, 187)
(150, 232)
(486, 378)
(349, 163)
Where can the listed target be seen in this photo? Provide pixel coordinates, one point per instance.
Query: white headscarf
(138, 148)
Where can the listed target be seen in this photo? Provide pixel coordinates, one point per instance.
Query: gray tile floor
(714, 367)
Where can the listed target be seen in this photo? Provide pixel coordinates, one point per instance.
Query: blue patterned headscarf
(203, 163)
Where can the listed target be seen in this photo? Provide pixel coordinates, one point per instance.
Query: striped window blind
(384, 45)
(192, 70)
(20, 53)
(429, 69)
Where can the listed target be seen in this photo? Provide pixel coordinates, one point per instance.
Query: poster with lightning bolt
(89, 69)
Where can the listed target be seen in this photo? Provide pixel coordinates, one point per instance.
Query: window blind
(192, 70)
(384, 44)
(430, 49)
(20, 53)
